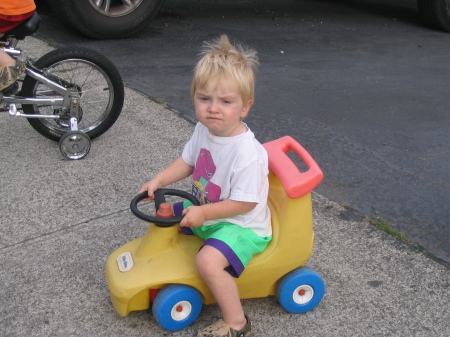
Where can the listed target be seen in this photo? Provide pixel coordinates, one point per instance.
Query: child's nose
(213, 106)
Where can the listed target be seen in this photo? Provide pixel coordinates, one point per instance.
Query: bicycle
(69, 95)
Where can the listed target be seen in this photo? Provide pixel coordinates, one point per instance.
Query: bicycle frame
(70, 100)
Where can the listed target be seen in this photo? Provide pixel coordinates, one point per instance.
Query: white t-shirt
(233, 168)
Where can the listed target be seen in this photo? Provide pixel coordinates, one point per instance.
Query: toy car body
(139, 272)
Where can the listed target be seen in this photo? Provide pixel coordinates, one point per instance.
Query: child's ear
(246, 109)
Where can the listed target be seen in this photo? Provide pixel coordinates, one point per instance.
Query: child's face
(221, 109)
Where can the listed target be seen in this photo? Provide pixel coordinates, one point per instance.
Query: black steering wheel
(159, 199)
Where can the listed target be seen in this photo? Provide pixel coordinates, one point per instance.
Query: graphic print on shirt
(203, 189)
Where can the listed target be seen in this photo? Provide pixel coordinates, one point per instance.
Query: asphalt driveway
(362, 84)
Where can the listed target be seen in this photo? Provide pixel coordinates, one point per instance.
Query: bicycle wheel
(89, 74)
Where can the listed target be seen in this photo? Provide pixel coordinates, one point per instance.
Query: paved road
(362, 84)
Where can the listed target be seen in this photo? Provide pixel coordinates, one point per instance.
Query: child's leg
(10, 69)
(211, 264)
(6, 60)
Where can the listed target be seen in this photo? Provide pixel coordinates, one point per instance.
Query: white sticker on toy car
(125, 262)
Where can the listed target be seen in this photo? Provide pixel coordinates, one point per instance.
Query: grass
(386, 228)
(398, 235)
(156, 100)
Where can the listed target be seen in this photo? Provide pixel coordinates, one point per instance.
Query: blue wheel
(301, 290)
(177, 306)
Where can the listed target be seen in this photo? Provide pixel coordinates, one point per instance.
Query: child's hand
(150, 187)
(193, 217)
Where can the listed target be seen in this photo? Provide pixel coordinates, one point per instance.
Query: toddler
(229, 169)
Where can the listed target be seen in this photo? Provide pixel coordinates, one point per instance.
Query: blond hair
(223, 62)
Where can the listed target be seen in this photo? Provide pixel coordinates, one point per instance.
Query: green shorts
(236, 243)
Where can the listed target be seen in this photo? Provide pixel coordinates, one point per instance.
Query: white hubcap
(181, 310)
(303, 294)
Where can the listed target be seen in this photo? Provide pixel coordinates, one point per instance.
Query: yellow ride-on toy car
(159, 267)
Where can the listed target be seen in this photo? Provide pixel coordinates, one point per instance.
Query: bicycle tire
(90, 74)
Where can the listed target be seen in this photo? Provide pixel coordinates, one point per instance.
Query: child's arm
(195, 216)
(176, 171)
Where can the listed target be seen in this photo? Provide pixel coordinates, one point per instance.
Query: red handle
(295, 183)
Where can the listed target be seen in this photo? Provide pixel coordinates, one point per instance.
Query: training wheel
(75, 145)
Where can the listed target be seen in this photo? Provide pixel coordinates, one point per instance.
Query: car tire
(435, 13)
(301, 290)
(119, 21)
